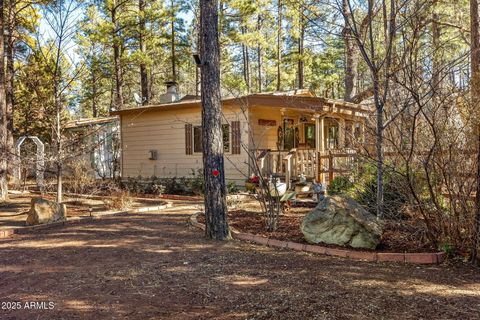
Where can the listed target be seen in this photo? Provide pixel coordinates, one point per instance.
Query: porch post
(341, 134)
(322, 128)
(317, 133)
(322, 133)
(319, 145)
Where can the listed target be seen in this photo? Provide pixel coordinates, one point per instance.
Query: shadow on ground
(153, 266)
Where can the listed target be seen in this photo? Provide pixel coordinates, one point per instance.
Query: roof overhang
(297, 102)
(85, 122)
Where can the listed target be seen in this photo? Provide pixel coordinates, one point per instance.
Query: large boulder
(342, 221)
(45, 211)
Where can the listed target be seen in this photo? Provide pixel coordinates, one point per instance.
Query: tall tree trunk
(3, 113)
(436, 63)
(117, 58)
(259, 53)
(279, 45)
(301, 50)
(351, 55)
(475, 93)
(379, 148)
(213, 162)
(59, 163)
(246, 65)
(143, 49)
(172, 44)
(94, 95)
(10, 98)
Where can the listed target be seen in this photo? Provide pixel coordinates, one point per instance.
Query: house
(284, 134)
(93, 141)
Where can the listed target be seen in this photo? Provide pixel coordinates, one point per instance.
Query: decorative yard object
(252, 183)
(277, 188)
(342, 221)
(40, 161)
(46, 211)
(302, 187)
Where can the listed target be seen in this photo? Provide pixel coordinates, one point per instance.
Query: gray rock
(342, 221)
(45, 211)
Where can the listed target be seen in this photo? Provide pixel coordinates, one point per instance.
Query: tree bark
(117, 58)
(58, 107)
(351, 56)
(259, 53)
(246, 65)
(172, 44)
(436, 61)
(279, 45)
(213, 162)
(3, 113)
(94, 94)
(301, 50)
(379, 149)
(10, 94)
(143, 49)
(475, 93)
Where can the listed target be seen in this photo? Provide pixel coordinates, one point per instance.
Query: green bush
(340, 185)
(232, 187)
(364, 190)
(448, 249)
(196, 184)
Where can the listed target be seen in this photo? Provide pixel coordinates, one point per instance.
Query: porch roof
(303, 100)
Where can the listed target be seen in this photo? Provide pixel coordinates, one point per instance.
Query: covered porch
(318, 141)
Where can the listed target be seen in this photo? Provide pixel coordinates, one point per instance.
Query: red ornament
(215, 173)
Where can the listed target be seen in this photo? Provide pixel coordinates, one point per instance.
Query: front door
(310, 135)
(290, 134)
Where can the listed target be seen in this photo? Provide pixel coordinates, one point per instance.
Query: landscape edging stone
(413, 258)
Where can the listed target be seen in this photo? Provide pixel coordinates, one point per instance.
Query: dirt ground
(154, 266)
(14, 213)
(399, 236)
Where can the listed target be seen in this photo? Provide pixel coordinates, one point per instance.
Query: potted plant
(252, 183)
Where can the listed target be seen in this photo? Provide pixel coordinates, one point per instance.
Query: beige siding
(164, 131)
(265, 137)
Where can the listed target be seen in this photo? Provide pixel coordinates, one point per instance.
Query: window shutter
(236, 137)
(188, 139)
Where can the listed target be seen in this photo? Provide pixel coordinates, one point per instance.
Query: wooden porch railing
(271, 162)
(321, 166)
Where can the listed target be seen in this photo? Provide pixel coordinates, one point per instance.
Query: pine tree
(213, 163)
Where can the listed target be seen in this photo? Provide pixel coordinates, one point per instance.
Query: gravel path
(154, 266)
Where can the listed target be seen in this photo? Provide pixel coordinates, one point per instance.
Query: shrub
(340, 185)
(196, 183)
(174, 186)
(78, 178)
(232, 187)
(448, 249)
(365, 191)
(120, 200)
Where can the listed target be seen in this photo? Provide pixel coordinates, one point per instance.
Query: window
(226, 137)
(310, 135)
(198, 138)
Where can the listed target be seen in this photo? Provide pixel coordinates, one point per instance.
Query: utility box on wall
(153, 154)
